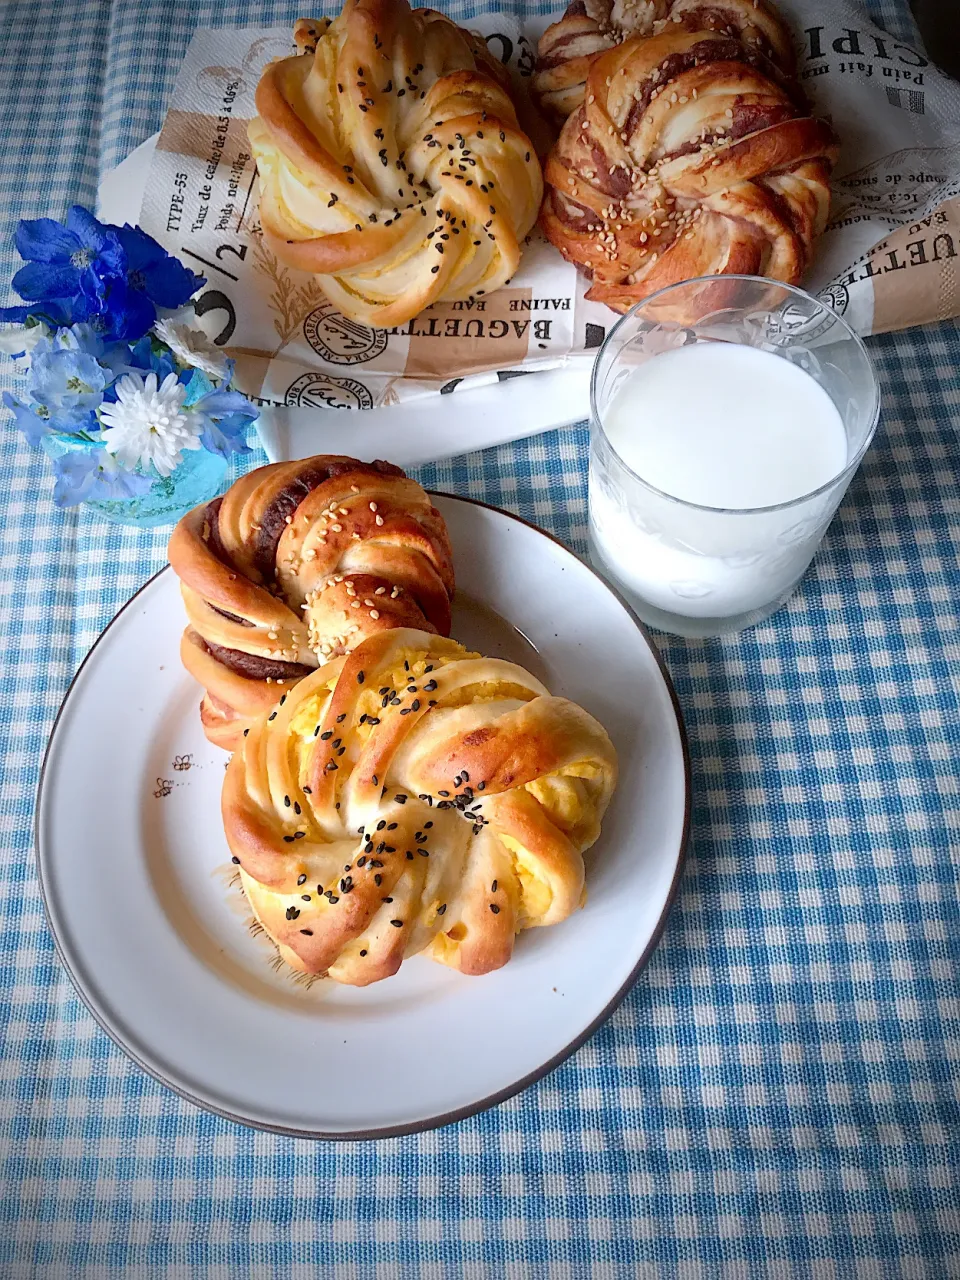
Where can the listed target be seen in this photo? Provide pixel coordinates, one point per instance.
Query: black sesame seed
(332, 898)
(360, 677)
(292, 913)
(341, 718)
(427, 826)
(305, 897)
(481, 785)
(301, 879)
(386, 899)
(476, 828)
(494, 908)
(433, 272)
(378, 879)
(415, 705)
(405, 711)
(424, 853)
(298, 835)
(397, 924)
(236, 861)
(325, 737)
(245, 732)
(288, 839)
(374, 780)
(400, 799)
(272, 715)
(307, 791)
(308, 932)
(361, 861)
(331, 202)
(493, 887)
(363, 953)
(443, 793)
(373, 719)
(409, 856)
(429, 686)
(441, 910)
(296, 808)
(381, 824)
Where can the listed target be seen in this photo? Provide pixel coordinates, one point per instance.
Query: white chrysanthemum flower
(192, 347)
(148, 423)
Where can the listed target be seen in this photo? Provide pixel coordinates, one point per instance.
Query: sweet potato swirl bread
(296, 563)
(391, 163)
(686, 158)
(589, 27)
(413, 797)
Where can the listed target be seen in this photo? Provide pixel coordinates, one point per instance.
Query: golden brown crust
(589, 27)
(391, 163)
(297, 563)
(411, 797)
(686, 159)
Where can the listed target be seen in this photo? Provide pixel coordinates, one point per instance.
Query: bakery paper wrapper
(888, 258)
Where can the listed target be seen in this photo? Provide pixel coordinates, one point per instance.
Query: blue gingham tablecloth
(778, 1096)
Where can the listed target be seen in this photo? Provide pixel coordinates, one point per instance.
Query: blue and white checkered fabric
(778, 1096)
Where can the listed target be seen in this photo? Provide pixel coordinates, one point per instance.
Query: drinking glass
(696, 570)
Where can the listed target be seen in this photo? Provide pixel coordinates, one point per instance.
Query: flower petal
(76, 478)
(129, 312)
(40, 280)
(221, 402)
(170, 284)
(44, 240)
(91, 233)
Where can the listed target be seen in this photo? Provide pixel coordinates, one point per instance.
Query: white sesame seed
(374, 613)
(379, 519)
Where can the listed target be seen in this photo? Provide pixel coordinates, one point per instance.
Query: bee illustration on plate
(164, 787)
(183, 763)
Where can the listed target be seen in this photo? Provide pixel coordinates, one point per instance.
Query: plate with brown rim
(149, 922)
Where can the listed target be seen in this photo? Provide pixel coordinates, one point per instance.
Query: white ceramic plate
(136, 874)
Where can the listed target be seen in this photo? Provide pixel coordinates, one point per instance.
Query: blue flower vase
(198, 478)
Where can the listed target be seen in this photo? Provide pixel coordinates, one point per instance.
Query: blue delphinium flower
(112, 277)
(225, 416)
(152, 278)
(151, 358)
(69, 384)
(94, 473)
(33, 420)
(67, 265)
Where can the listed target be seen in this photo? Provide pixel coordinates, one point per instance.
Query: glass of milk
(729, 415)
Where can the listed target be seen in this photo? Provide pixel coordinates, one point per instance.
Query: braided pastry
(685, 160)
(296, 563)
(588, 27)
(413, 797)
(391, 163)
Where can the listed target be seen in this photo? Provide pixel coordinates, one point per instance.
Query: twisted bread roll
(588, 27)
(298, 562)
(414, 797)
(685, 160)
(391, 163)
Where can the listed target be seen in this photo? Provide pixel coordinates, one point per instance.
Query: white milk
(719, 425)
